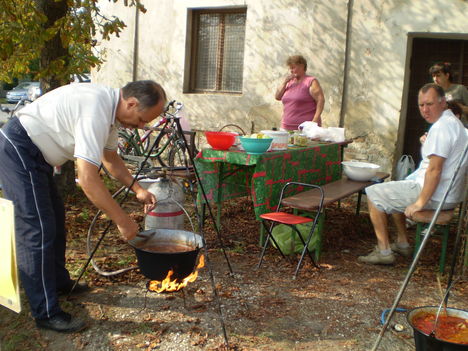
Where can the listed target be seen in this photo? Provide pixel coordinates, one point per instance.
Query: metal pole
(456, 248)
(344, 96)
(421, 248)
(208, 262)
(200, 186)
(136, 35)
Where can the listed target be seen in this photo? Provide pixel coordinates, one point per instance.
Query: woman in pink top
(301, 95)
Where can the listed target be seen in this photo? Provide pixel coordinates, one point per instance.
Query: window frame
(194, 26)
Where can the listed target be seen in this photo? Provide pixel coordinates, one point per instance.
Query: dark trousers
(27, 180)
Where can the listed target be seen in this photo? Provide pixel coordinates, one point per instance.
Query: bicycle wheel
(132, 150)
(146, 144)
(178, 155)
(126, 144)
(164, 142)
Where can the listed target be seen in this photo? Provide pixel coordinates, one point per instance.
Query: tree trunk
(54, 50)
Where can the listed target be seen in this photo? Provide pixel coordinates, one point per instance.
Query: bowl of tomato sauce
(447, 332)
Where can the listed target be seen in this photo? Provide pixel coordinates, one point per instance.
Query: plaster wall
(378, 60)
(118, 52)
(274, 31)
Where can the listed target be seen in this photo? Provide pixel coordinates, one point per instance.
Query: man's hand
(412, 209)
(422, 139)
(117, 168)
(147, 198)
(431, 181)
(128, 228)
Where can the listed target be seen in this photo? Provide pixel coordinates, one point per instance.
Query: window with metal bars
(218, 50)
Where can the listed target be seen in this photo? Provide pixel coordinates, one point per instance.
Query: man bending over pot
(441, 154)
(77, 121)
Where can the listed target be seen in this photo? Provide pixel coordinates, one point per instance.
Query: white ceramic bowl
(360, 171)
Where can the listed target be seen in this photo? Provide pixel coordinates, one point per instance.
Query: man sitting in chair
(425, 188)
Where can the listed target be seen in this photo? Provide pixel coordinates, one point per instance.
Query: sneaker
(376, 257)
(62, 322)
(404, 251)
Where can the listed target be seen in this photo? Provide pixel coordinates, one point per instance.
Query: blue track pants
(27, 180)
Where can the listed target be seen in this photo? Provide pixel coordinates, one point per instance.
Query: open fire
(169, 284)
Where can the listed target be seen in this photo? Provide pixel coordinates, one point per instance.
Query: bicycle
(169, 147)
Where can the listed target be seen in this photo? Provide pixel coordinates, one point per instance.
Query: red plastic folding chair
(291, 220)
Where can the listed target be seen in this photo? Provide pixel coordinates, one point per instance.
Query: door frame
(406, 83)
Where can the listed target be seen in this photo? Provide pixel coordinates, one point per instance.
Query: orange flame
(169, 285)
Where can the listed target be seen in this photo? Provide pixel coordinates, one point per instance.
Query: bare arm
(316, 92)
(97, 193)
(282, 88)
(431, 181)
(118, 169)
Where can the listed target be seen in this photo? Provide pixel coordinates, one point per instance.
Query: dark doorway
(426, 52)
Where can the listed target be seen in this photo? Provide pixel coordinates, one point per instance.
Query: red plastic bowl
(220, 140)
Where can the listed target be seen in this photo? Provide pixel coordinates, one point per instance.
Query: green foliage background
(24, 33)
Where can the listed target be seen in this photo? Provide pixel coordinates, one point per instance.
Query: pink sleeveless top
(299, 105)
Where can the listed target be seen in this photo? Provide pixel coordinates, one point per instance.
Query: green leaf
(27, 35)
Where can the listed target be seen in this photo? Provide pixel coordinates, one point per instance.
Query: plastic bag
(335, 135)
(405, 167)
(292, 244)
(312, 130)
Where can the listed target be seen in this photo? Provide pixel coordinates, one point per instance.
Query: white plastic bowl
(360, 171)
(280, 139)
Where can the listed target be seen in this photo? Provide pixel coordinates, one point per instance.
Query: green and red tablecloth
(229, 174)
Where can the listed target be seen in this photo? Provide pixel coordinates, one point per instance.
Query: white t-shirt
(446, 138)
(73, 121)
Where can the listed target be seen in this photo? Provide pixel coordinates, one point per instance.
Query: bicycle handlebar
(11, 111)
(166, 115)
(170, 104)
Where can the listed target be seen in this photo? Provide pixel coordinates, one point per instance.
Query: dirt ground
(336, 307)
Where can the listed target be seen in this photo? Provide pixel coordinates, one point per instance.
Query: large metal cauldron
(160, 250)
(425, 342)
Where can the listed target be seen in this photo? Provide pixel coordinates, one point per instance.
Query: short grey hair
(439, 90)
(147, 92)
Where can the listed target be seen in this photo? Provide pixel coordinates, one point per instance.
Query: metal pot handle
(442, 303)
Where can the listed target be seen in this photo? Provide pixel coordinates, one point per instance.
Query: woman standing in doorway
(301, 95)
(442, 75)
